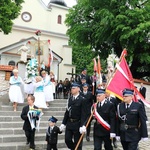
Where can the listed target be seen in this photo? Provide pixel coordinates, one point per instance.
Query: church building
(48, 20)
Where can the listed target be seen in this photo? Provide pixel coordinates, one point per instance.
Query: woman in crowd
(15, 94)
(48, 92)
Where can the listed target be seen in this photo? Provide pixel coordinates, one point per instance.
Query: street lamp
(38, 33)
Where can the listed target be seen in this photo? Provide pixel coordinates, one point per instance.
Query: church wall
(46, 21)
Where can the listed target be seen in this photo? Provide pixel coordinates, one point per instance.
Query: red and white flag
(99, 70)
(95, 65)
(122, 79)
(50, 58)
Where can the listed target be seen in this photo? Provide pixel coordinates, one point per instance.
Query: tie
(73, 98)
(127, 107)
(99, 105)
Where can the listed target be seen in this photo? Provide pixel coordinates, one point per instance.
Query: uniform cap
(84, 69)
(83, 78)
(100, 91)
(53, 119)
(127, 92)
(74, 84)
(85, 85)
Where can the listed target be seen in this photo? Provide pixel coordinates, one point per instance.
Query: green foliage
(9, 10)
(104, 25)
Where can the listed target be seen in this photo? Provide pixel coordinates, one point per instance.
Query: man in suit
(74, 118)
(88, 102)
(105, 125)
(142, 90)
(29, 132)
(132, 122)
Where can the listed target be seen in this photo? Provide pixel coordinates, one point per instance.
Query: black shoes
(27, 143)
(88, 138)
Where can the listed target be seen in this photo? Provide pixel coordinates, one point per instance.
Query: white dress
(15, 94)
(29, 88)
(39, 95)
(48, 91)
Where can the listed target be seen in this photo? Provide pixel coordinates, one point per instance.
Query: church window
(59, 19)
(11, 63)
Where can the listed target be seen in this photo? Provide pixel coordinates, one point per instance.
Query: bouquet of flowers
(32, 68)
(33, 116)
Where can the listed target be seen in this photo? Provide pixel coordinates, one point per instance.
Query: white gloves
(82, 129)
(62, 127)
(112, 135)
(118, 138)
(144, 139)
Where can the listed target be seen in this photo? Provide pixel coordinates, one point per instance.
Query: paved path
(143, 145)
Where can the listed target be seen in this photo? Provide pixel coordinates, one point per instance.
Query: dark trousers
(98, 142)
(30, 134)
(51, 146)
(130, 145)
(88, 129)
(69, 135)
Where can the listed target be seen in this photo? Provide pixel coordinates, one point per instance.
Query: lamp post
(38, 33)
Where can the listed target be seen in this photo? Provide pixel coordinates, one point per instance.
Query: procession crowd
(114, 119)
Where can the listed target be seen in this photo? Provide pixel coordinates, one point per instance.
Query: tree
(9, 10)
(104, 25)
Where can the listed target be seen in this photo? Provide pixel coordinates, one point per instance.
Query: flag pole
(81, 137)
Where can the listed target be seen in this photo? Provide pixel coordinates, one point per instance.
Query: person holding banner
(27, 127)
(132, 122)
(105, 125)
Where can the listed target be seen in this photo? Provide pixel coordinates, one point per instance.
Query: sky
(69, 3)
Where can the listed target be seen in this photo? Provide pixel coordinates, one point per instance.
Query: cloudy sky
(69, 3)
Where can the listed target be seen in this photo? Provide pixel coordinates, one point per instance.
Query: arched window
(11, 63)
(59, 19)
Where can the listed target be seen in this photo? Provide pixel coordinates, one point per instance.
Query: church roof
(59, 2)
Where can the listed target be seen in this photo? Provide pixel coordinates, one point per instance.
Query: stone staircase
(11, 134)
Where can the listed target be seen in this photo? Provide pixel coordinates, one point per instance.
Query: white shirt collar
(102, 102)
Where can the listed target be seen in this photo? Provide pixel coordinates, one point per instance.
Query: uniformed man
(74, 118)
(105, 125)
(86, 76)
(115, 102)
(132, 122)
(89, 102)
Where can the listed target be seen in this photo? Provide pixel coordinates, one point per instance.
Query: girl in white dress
(15, 94)
(47, 88)
(39, 93)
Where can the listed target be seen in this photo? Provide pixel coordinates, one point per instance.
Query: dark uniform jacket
(52, 135)
(114, 101)
(88, 101)
(24, 116)
(75, 115)
(143, 91)
(107, 112)
(132, 122)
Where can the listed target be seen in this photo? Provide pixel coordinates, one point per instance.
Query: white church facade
(49, 20)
